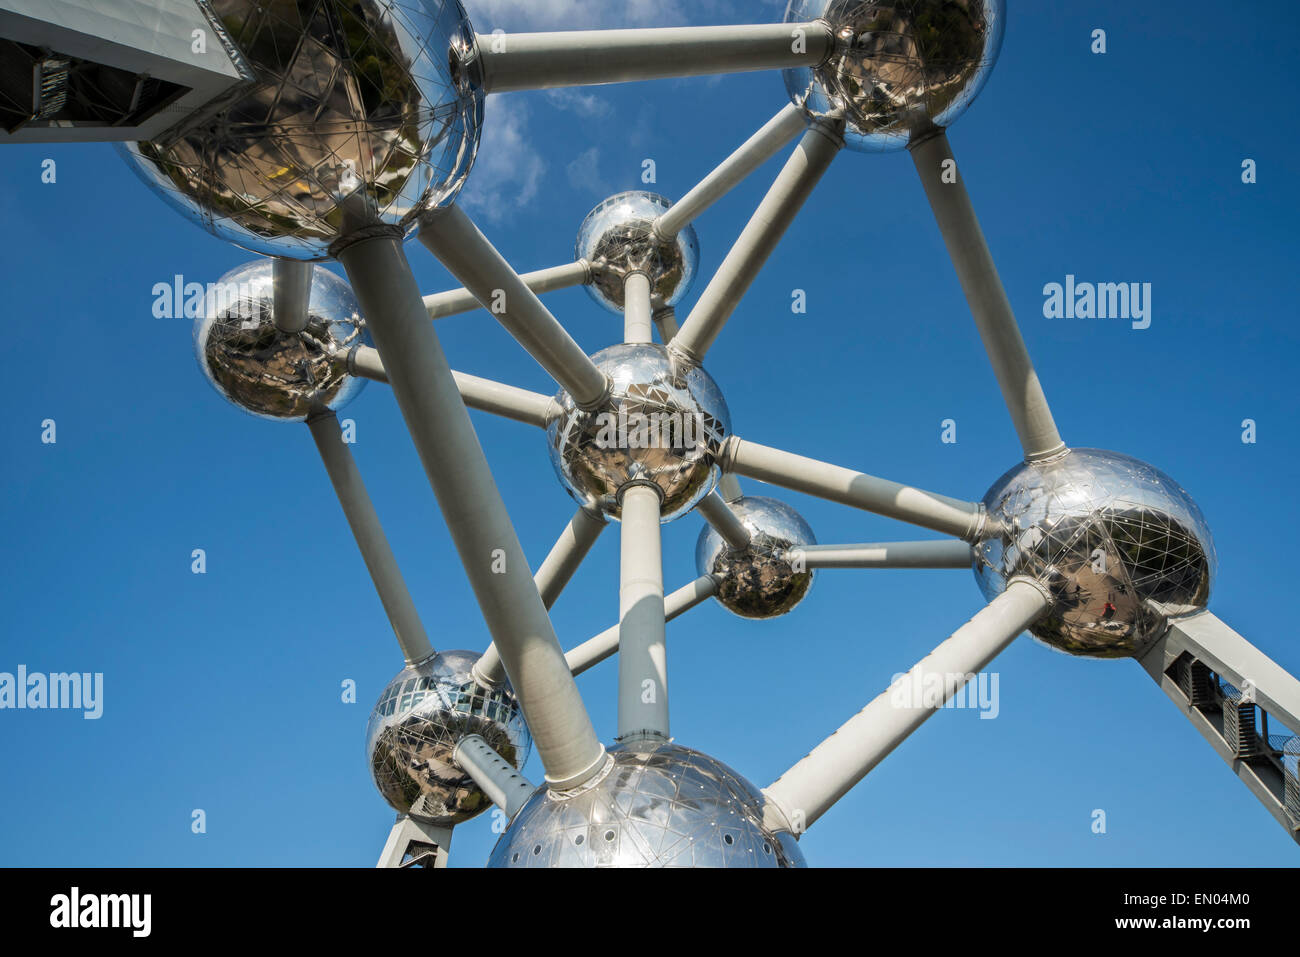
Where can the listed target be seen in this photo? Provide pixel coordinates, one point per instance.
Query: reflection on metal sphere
(416, 725)
(275, 374)
(764, 580)
(657, 805)
(362, 113)
(1109, 535)
(899, 66)
(618, 239)
(664, 424)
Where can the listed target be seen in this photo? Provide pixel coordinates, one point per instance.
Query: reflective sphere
(361, 112)
(664, 424)
(762, 581)
(899, 66)
(658, 805)
(275, 374)
(414, 729)
(618, 238)
(1108, 535)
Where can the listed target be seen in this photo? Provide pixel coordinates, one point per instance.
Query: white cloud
(508, 171)
(575, 101)
(584, 173)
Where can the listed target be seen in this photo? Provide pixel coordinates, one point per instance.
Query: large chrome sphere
(414, 730)
(1111, 537)
(274, 374)
(361, 112)
(765, 580)
(899, 66)
(618, 239)
(658, 805)
(664, 424)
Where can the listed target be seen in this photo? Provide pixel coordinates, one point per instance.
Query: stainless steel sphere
(274, 374)
(414, 730)
(899, 67)
(664, 424)
(618, 239)
(361, 112)
(765, 580)
(658, 805)
(1110, 536)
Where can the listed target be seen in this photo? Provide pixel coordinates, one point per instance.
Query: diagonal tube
(570, 549)
(666, 323)
(455, 301)
(729, 488)
(369, 533)
(809, 789)
(724, 521)
(775, 213)
(496, 777)
(595, 650)
(455, 240)
(472, 507)
(507, 401)
(642, 658)
(539, 61)
(938, 512)
(949, 553)
(1021, 390)
(753, 153)
(559, 567)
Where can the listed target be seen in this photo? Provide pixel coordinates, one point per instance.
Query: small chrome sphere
(767, 579)
(274, 374)
(665, 423)
(657, 805)
(618, 239)
(899, 67)
(1121, 546)
(415, 727)
(358, 113)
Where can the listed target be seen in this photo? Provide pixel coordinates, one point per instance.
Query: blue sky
(222, 691)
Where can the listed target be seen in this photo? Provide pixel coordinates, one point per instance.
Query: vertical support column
(595, 650)
(291, 294)
(471, 505)
(642, 657)
(638, 326)
(371, 541)
(979, 278)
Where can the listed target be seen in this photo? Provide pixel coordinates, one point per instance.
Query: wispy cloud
(584, 173)
(509, 170)
(576, 101)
